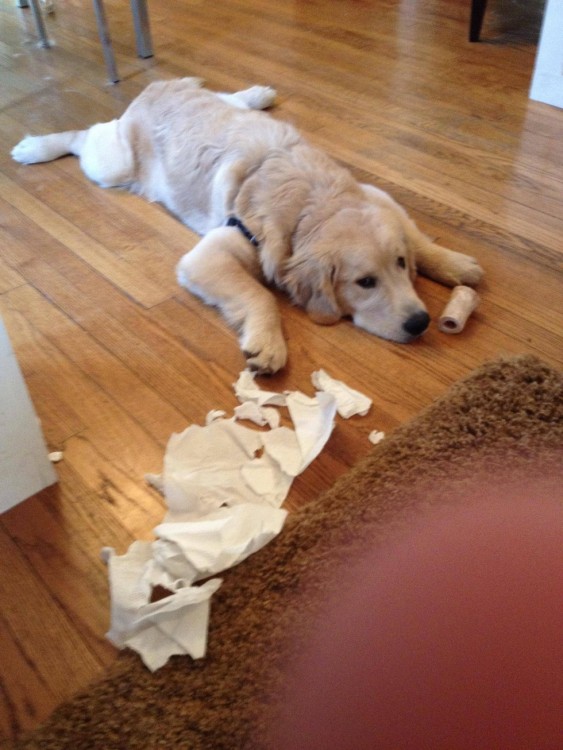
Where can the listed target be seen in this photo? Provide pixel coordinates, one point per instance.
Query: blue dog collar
(232, 221)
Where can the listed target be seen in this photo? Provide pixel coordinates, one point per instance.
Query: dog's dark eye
(401, 262)
(367, 282)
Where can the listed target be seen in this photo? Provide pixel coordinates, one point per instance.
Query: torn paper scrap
(462, 303)
(198, 549)
(267, 479)
(202, 466)
(260, 415)
(207, 467)
(162, 633)
(247, 390)
(282, 445)
(175, 625)
(313, 418)
(157, 630)
(349, 401)
(376, 437)
(214, 415)
(182, 554)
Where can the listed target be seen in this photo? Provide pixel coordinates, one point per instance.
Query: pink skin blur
(451, 639)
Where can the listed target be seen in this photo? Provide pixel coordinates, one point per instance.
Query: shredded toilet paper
(224, 485)
(349, 402)
(376, 437)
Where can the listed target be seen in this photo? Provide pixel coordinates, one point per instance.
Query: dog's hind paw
(265, 354)
(30, 150)
(260, 97)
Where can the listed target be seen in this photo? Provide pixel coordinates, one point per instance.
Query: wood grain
(117, 357)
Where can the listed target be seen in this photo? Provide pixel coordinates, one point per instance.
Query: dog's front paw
(266, 352)
(461, 269)
(469, 272)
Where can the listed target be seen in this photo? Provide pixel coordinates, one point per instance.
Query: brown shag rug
(504, 420)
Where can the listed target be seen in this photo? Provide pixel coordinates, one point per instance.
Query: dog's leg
(105, 154)
(222, 269)
(256, 97)
(438, 263)
(446, 266)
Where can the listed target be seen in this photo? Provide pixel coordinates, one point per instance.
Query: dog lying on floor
(271, 208)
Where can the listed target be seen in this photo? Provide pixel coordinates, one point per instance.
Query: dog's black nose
(417, 323)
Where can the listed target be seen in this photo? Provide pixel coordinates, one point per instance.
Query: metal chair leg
(476, 21)
(103, 32)
(142, 29)
(40, 24)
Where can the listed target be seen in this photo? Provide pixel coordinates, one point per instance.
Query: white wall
(547, 81)
(24, 465)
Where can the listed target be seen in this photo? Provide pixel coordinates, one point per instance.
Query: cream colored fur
(339, 248)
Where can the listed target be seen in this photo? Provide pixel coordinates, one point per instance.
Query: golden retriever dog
(272, 210)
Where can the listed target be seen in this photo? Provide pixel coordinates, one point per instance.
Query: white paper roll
(462, 303)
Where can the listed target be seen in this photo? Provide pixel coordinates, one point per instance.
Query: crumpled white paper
(157, 630)
(247, 390)
(313, 418)
(260, 415)
(202, 466)
(224, 484)
(349, 402)
(192, 550)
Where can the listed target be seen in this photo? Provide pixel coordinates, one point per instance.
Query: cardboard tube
(463, 302)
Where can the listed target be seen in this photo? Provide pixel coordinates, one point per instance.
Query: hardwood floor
(117, 357)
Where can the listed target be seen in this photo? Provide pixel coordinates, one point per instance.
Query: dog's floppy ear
(413, 236)
(310, 283)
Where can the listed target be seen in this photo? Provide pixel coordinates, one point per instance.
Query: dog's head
(359, 262)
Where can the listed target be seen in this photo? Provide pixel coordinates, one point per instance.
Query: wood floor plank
(54, 550)
(127, 275)
(9, 278)
(25, 697)
(46, 638)
(160, 363)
